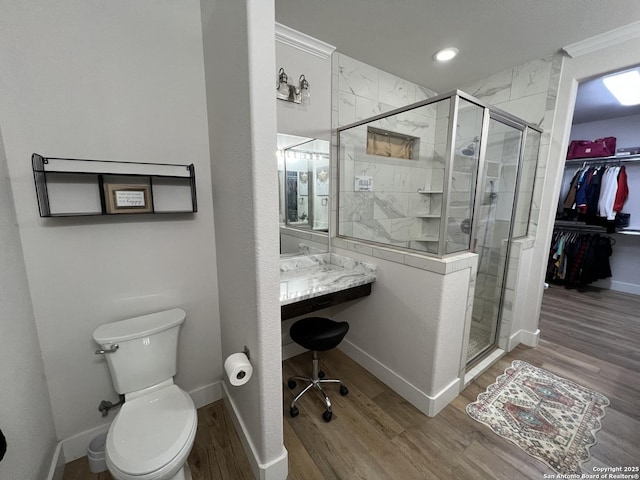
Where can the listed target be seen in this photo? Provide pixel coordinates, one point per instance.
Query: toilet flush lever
(112, 348)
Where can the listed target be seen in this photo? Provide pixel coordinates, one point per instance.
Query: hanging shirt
(623, 190)
(608, 193)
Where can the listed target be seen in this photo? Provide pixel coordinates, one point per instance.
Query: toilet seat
(152, 435)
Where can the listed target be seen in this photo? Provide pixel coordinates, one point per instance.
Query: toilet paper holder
(238, 368)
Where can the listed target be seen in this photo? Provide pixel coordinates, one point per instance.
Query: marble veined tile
(408, 179)
(366, 107)
(346, 108)
(390, 205)
(411, 123)
(531, 78)
(393, 90)
(493, 90)
(530, 108)
(357, 78)
(373, 230)
(401, 229)
(422, 93)
(356, 206)
(381, 173)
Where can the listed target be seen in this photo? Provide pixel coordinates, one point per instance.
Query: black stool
(317, 334)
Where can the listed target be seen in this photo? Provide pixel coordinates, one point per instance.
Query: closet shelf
(578, 227)
(629, 231)
(68, 187)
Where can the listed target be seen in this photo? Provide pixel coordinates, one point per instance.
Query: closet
(596, 239)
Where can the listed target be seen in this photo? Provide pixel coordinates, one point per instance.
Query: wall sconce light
(300, 93)
(305, 91)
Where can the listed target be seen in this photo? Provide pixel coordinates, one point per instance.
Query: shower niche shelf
(429, 221)
(73, 187)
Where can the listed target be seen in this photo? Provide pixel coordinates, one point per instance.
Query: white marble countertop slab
(308, 276)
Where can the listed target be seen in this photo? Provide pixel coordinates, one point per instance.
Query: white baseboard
(208, 394)
(75, 447)
(625, 287)
(56, 471)
(277, 469)
(429, 405)
(291, 350)
(530, 339)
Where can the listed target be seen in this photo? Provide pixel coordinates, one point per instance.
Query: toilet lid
(151, 430)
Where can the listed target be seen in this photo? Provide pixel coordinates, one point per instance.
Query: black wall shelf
(68, 187)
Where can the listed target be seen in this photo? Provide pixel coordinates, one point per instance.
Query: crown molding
(302, 41)
(607, 39)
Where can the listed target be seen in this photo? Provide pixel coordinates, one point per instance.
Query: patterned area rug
(549, 417)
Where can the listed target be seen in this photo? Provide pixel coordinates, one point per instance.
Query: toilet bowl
(153, 433)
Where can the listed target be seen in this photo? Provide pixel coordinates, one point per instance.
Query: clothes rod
(579, 227)
(615, 159)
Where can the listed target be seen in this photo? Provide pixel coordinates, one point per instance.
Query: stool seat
(318, 333)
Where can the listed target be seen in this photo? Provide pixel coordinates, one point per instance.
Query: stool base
(316, 380)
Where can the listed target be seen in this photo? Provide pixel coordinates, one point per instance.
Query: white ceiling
(400, 36)
(595, 102)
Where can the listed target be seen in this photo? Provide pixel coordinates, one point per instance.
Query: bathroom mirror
(303, 183)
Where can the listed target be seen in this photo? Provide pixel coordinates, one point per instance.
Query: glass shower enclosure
(443, 176)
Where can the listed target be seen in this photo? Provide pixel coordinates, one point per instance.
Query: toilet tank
(147, 352)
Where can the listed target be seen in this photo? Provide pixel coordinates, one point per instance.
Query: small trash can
(95, 454)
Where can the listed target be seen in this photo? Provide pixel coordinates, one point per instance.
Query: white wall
(242, 111)
(300, 54)
(122, 83)
(25, 416)
(626, 130)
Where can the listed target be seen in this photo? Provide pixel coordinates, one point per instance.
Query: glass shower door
(494, 204)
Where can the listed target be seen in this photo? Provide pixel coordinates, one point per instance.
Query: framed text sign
(127, 198)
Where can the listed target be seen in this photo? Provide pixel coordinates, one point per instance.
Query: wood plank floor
(591, 337)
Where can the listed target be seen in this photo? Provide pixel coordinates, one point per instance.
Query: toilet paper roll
(238, 369)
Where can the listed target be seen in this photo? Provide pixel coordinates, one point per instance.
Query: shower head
(470, 150)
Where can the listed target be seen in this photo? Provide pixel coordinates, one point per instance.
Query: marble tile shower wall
(528, 91)
(387, 214)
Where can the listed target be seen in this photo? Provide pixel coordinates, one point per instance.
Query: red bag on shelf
(602, 147)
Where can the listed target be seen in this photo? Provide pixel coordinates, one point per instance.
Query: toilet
(151, 436)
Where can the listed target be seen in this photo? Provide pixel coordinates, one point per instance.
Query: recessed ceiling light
(445, 54)
(625, 87)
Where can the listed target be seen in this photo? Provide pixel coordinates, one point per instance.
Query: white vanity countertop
(308, 276)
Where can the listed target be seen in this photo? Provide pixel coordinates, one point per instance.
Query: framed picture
(127, 198)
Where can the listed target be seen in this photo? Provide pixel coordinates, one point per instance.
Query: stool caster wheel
(326, 416)
(291, 384)
(343, 390)
(294, 412)
(321, 374)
